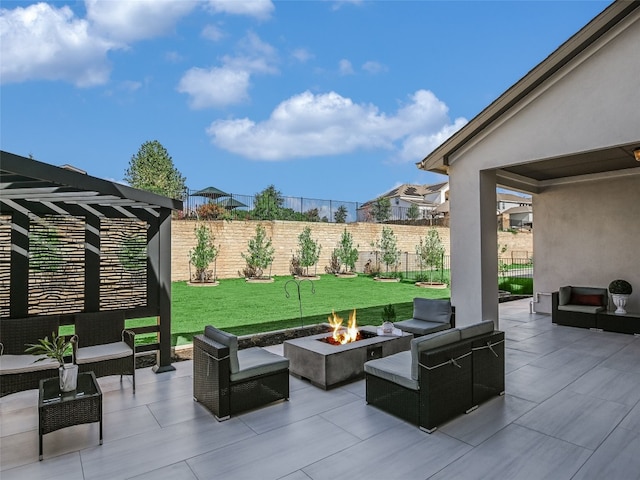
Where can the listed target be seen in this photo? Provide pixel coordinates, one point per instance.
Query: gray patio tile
(177, 409)
(489, 418)
(143, 453)
(626, 359)
(518, 334)
(617, 457)
(609, 384)
(536, 384)
(632, 420)
(18, 401)
(358, 388)
(177, 471)
(360, 419)
(297, 475)
(303, 404)
(579, 419)
(125, 423)
(63, 467)
(403, 452)
(147, 393)
(18, 421)
(517, 453)
(274, 454)
(515, 358)
(567, 361)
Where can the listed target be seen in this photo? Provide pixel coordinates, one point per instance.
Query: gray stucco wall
(588, 234)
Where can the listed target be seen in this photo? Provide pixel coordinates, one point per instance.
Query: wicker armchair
(101, 344)
(18, 371)
(429, 316)
(445, 374)
(228, 381)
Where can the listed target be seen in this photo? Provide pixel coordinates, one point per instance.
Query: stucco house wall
(587, 241)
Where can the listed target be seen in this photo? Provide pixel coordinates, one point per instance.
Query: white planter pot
(68, 377)
(620, 301)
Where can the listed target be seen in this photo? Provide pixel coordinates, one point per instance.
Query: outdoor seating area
(571, 410)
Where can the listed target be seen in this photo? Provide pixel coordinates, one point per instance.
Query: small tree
(268, 204)
(204, 252)
(413, 212)
(387, 244)
(340, 215)
(309, 250)
(260, 253)
(381, 209)
(346, 253)
(430, 253)
(152, 169)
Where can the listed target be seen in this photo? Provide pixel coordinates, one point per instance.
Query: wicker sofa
(428, 316)
(227, 380)
(578, 306)
(445, 374)
(19, 370)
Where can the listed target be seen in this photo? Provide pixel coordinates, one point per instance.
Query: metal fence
(242, 207)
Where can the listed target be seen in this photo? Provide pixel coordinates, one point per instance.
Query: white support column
(474, 237)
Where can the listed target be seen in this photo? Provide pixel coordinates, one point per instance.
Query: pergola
(72, 244)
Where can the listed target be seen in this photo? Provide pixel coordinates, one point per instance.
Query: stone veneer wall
(233, 236)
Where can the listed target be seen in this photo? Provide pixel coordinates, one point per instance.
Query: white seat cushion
(396, 368)
(10, 364)
(256, 361)
(107, 351)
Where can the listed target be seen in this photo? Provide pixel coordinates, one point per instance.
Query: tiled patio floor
(572, 411)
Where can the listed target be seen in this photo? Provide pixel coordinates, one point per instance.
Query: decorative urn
(620, 291)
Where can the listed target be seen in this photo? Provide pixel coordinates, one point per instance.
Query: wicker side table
(58, 410)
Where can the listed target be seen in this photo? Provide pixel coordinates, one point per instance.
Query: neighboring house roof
(438, 160)
(411, 193)
(523, 209)
(511, 198)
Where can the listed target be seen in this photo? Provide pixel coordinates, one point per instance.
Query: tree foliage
(430, 252)
(381, 209)
(346, 253)
(340, 215)
(308, 250)
(259, 254)
(204, 252)
(268, 204)
(387, 244)
(413, 212)
(152, 169)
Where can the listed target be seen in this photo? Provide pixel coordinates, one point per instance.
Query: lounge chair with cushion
(428, 316)
(228, 381)
(578, 306)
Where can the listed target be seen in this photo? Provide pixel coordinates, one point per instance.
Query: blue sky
(323, 99)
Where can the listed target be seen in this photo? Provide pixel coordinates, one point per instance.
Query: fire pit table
(326, 365)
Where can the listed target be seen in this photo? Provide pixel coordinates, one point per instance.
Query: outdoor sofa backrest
(431, 310)
(228, 340)
(583, 296)
(17, 333)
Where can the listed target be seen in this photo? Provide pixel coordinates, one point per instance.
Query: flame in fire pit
(340, 335)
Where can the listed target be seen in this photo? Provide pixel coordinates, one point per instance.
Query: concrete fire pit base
(327, 366)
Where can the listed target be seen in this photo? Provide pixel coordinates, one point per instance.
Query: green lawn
(244, 308)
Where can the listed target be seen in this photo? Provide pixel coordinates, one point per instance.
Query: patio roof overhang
(27, 185)
(531, 177)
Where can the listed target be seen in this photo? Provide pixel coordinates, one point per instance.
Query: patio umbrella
(230, 203)
(210, 192)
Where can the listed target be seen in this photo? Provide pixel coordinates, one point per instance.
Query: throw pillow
(591, 300)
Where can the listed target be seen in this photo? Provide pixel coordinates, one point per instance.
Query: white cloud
(44, 42)
(302, 55)
(260, 9)
(136, 20)
(373, 67)
(229, 84)
(213, 33)
(345, 67)
(214, 87)
(308, 125)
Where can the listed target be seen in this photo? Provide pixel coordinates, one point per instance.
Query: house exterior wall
(588, 241)
(590, 105)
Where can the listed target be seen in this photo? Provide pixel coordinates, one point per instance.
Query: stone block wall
(233, 236)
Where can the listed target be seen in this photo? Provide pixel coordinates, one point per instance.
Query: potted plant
(388, 317)
(56, 349)
(620, 291)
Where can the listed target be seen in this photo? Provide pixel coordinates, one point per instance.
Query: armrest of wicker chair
(211, 372)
